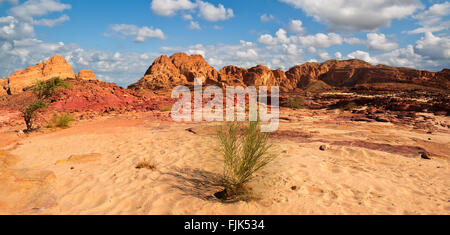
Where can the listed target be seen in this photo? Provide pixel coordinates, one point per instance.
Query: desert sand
(91, 169)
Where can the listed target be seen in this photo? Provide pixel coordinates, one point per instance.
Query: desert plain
(371, 159)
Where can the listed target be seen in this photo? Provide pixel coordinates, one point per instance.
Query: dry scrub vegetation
(246, 150)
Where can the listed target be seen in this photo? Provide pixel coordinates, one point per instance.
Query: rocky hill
(56, 66)
(181, 69)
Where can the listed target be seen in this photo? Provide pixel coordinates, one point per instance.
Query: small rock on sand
(426, 156)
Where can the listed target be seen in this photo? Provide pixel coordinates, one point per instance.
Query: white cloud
(141, 33)
(320, 40)
(205, 10)
(171, 7)
(379, 42)
(362, 55)
(323, 55)
(194, 25)
(405, 57)
(354, 40)
(296, 26)
(51, 22)
(14, 29)
(354, 15)
(212, 13)
(431, 20)
(434, 47)
(37, 8)
(338, 55)
(188, 17)
(266, 18)
(10, 1)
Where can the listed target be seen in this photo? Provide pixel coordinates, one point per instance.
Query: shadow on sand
(197, 183)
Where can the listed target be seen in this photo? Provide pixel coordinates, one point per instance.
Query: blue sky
(118, 40)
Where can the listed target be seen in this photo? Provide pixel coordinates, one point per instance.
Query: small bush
(350, 106)
(166, 109)
(246, 150)
(296, 102)
(146, 165)
(29, 113)
(46, 89)
(60, 121)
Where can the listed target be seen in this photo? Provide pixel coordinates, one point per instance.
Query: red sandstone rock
(181, 69)
(86, 75)
(56, 66)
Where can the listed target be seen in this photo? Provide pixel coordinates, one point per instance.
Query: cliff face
(181, 69)
(56, 66)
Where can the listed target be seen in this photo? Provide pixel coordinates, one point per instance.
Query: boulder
(86, 75)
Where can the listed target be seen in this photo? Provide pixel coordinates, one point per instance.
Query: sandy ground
(91, 169)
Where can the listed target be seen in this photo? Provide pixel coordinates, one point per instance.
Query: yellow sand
(94, 163)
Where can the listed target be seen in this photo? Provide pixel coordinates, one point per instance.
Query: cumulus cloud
(194, 25)
(170, 7)
(266, 17)
(379, 42)
(38, 8)
(353, 15)
(51, 22)
(295, 26)
(431, 20)
(434, 47)
(205, 10)
(14, 29)
(321, 40)
(362, 55)
(323, 55)
(212, 13)
(141, 33)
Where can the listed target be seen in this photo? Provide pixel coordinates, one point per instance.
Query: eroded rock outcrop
(3, 86)
(86, 75)
(56, 66)
(181, 69)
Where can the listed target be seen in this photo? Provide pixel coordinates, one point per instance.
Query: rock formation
(54, 67)
(181, 69)
(86, 75)
(3, 83)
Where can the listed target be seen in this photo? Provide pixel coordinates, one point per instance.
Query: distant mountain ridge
(181, 69)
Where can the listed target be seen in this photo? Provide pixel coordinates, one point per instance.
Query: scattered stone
(324, 147)
(293, 188)
(191, 131)
(426, 156)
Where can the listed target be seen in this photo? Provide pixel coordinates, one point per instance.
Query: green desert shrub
(166, 109)
(296, 102)
(350, 106)
(46, 89)
(246, 150)
(29, 113)
(60, 121)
